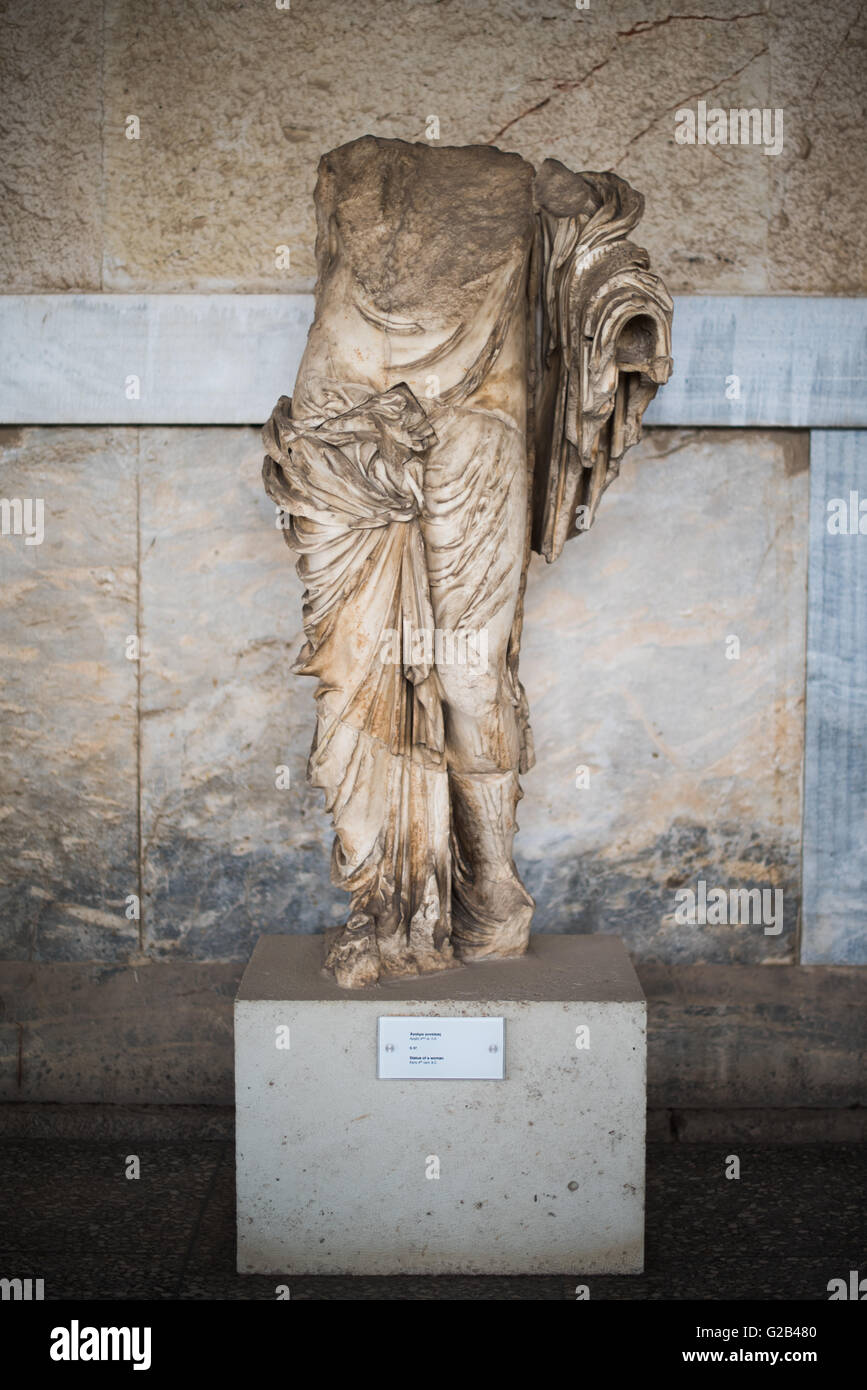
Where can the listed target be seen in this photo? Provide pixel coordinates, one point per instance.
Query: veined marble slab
(835, 775)
(223, 359)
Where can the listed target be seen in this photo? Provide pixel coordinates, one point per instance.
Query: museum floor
(796, 1218)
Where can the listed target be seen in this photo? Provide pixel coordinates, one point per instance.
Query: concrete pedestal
(542, 1172)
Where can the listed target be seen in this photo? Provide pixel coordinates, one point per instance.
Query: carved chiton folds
(484, 347)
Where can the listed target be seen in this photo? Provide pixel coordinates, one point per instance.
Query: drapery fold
(355, 472)
(603, 351)
(408, 521)
(350, 487)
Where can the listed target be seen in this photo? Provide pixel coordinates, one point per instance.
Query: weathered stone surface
(733, 1125)
(160, 1123)
(817, 232)
(720, 801)
(412, 523)
(229, 143)
(68, 775)
(167, 1123)
(694, 760)
(755, 1037)
(51, 145)
(800, 361)
(718, 1036)
(226, 853)
(232, 125)
(608, 98)
(835, 781)
(164, 359)
(540, 1168)
(624, 658)
(134, 1035)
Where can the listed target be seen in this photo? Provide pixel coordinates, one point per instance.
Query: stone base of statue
(384, 1131)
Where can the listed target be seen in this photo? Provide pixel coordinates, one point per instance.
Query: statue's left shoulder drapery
(603, 350)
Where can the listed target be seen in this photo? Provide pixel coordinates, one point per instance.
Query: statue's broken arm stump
(345, 1168)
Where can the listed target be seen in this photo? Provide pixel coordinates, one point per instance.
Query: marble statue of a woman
(485, 343)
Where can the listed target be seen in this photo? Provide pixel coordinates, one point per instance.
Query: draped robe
(484, 345)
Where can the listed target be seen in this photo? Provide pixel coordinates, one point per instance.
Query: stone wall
(237, 99)
(665, 754)
(662, 758)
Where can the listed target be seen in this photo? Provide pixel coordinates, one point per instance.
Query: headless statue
(485, 344)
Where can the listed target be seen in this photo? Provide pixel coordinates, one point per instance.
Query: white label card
(444, 1049)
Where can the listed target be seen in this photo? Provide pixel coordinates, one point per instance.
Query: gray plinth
(542, 1172)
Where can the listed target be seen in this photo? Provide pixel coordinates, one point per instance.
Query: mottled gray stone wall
(835, 821)
(693, 755)
(237, 100)
(225, 850)
(68, 710)
(158, 777)
(155, 778)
